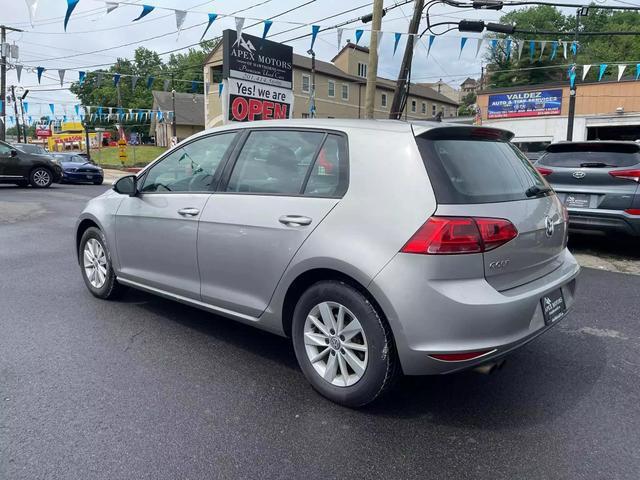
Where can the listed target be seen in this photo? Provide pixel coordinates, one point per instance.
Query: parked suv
(27, 168)
(379, 247)
(598, 182)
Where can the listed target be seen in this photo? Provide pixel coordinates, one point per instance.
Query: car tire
(355, 369)
(95, 263)
(41, 177)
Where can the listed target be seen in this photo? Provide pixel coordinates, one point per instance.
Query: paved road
(147, 388)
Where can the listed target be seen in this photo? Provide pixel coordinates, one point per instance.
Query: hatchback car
(379, 247)
(78, 169)
(598, 181)
(23, 169)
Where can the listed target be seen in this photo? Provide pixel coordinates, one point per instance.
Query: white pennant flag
(621, 69)
(239, 25)
(542, 45)
(61, 73)
(520, 48)
(340, 32)
(134, 81)
(585, 70)
(19, 72)
(110, 110)
(479, 46)
(564, 49)
(111, 6)
(379, 35)
(180, 16)
(32, 6)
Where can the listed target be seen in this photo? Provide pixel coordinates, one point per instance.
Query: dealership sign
(525, 104)
(258, 78)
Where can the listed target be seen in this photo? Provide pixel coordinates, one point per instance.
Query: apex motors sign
(258, 78)
(525, 104)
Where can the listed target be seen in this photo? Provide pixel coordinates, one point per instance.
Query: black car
(78, 169)
(26, 168)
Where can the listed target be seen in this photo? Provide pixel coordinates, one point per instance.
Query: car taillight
(456, 235)
(633, 211)
(544, 171)
(627, 174)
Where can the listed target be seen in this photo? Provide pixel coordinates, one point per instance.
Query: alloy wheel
(95, 263)
(41, 178)
(336, 344)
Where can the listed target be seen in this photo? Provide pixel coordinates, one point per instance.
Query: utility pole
(3, 80)
(572, 91)
(174, 130)
(372, 68)
(312, 92)
(24, 124)
(399, 95)
(15, 111)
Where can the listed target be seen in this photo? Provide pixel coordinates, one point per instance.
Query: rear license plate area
(553, 306)
(577, 200)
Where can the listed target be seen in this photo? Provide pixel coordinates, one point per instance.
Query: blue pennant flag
(431, 39)
(160, 115)
(146, 10)
(194, 86)
(603, 68)
(532, 49)
(574, 48)
(267, 26)
(212, 18)
(398, 36)
(220, 87)
(508, 48)
(359, 33)
(30, 119)
(314, 33)
(40, 71)
(52, 108)
(25, 105)
(116, 79)
(120, 113)
(99, 111)
(637, 71)
(554, 49)
(572, 76)
(71, 4)
(494, 45)
(64, 118)
(81, 77)
(463, 42)
(150, 81)
(77, 109)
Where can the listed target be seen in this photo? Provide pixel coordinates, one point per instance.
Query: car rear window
(591, 155)
(471, 169)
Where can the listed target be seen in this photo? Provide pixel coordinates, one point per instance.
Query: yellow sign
(122, 150)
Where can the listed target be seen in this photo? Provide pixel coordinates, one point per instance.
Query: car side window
(191, 168)
(5, 150)
(274, 162)
(329, 175)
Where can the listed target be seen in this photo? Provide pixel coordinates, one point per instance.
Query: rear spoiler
(462, 132)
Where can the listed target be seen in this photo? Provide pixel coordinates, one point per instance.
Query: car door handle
(189, 212)
(294, 220)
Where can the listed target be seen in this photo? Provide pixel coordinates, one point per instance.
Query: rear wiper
(594, 165)
(535, 190)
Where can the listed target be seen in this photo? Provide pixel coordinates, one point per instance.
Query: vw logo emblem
(579, 174)
(549, 226)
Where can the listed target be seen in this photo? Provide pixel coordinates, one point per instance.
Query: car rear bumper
(467, 315)
(604, 220)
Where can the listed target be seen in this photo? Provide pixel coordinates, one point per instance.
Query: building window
(433, 110)
(362, 70)
(383, 100)
(306, 84)
(331, 90)
(414, 106)
(424, 108)
(345, 91)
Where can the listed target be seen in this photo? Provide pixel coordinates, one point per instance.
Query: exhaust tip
(489, 368)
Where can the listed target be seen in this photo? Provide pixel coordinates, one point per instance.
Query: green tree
(467, 107)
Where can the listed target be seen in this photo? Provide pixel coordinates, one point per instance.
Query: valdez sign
(258, 78)
(525, 104)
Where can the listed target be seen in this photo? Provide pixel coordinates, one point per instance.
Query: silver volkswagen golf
(379, 247)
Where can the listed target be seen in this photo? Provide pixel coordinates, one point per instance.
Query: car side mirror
(14, 153)
(127, 185)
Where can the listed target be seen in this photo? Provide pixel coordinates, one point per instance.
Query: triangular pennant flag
(543, 44)
(554, 50)
(19, 72)
(29, 119)
(494, 46)
(574, 48)
(267, 26)
(603, 68)
(397, 37)
(564, 50)
(572, 77)
(111, 6)
(40, 71)
(532, 49)
(220, 87)
(99, 111)
(340, 31)
(314, 33)
(61, 72)
(134, 81)
(359, 33)
(166, 85)
(150, 80)
(507, 48)
(25, 105)
(52, 108)
(81, 77)
(239, 25)
(637, 71)
(110, 110)
(180, 16)
(520, 48)
(212, 17)
(32, 6)
(71, 5)
(463, 42)
(431, 39)
(379, 35)
(146, 10)
(621, 69)
(194, 86)
(116, 79)
(77, 109)
(585, 70)
(479, 46)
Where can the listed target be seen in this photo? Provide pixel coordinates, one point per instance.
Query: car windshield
(27, 148)
(70, 158)
(592, 155)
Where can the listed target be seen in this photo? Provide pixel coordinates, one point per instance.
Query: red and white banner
(248, 101)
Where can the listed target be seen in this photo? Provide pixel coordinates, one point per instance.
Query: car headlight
(71, 170)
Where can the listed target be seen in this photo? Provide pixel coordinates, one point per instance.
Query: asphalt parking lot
(148, 388)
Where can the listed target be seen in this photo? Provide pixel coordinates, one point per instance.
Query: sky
(90, 28)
